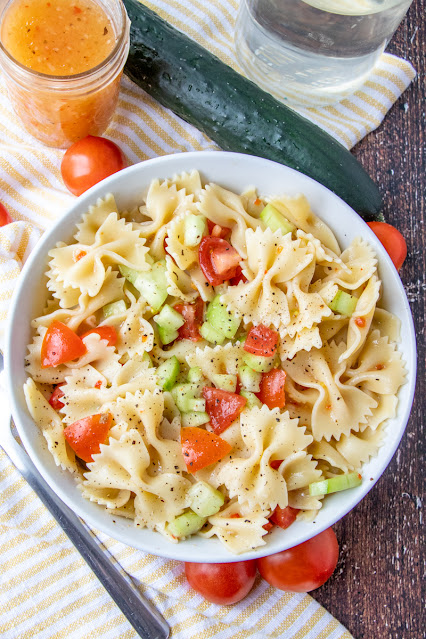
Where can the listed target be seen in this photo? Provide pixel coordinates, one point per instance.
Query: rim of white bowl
(197, 549)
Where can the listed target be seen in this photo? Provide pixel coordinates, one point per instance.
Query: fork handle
(143, 616)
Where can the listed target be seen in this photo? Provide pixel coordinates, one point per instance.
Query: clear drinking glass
(61, 109)
(314, 52)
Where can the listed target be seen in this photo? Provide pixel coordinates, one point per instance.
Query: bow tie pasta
(207, 360)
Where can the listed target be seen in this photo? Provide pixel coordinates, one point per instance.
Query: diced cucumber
(275, 220)
(115, 308)
(194, 418)
(208, 332)
(186, 524)
(195, 226)
(167, 373)
(343, 303)
(335, 484)
(249, 378)
(129, 273)
(169, 318)
(167, 336)
(147, 358)
(225, 382)
(198, 405)
(221, 319)
(152, 285)
(182, 393)
(259, 363)
(252, 400)
(204, 499)
(195, 375)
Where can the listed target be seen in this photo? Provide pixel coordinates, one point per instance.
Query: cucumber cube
(343, 303)
(186, 524)
(204, 499)
(129, 273)
(221, 319)
(183, 393)
(194, 418)
(152, 285)
(167, 336)
(252, 400)
(115, 308)
(195, 375)
(209, 333)
(275, 220)
(225, 382)
(259, 363)
(167, 373)
(198, 405)
(169, 318)
(250, 379)
(195, 226)
(335, 484)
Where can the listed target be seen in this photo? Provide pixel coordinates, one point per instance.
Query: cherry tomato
(4, 215)
(216, 230)
(105, 332)
(284, 517)
(392, 240)
(201, 448)
(193, 316)
(88, 161)
(304, 567)
(55, 400)
(218, 260)
(261, 340)
(272, 391)
(222, 407)
(86, 435)
(60, 344)
(222, 584)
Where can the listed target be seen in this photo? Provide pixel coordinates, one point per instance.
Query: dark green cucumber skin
(235, 113)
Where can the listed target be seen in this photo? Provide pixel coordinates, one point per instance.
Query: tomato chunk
(222, 407)
(392, 240)
(238, 277)
(105, 332)
(55, 400)
(284, 517)
(218, 260)
(261, 340)
(4, 215)
(86, 435)
(272, 391)
(216, 230)
(60, 345)
(193, 316)
(201, 448)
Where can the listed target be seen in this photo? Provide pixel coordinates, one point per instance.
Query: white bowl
(236, 172)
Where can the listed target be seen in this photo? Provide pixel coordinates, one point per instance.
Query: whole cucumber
(235, 113)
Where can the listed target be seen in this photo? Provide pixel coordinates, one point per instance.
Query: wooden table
(376, 590)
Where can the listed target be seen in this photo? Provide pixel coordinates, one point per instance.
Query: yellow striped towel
(46, 590)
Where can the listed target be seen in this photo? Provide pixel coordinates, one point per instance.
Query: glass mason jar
(61, 109)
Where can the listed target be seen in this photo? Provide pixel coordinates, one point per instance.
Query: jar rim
(64, 79)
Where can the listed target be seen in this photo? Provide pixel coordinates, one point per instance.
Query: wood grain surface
(376, 591)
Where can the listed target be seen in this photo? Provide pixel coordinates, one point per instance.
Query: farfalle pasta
(207, 359)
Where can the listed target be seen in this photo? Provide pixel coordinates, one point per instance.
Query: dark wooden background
(376, 591)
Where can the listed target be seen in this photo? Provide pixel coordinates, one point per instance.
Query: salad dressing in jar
(63, 62)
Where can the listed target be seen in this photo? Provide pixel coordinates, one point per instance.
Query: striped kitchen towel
(46, 590)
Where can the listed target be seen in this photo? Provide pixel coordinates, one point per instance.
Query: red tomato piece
(4, 216)
(216, 230)
(218, 260)
(88, 161)
(222, 584)
(86, 435)
(193, 316)
(54, 399)
(392, 240)
(222, 407)
(201, 448)
(105, 332)
(284, 517)
(238, 277)
(261, 340)
(302, 568)
(60, 344)
(272, 391)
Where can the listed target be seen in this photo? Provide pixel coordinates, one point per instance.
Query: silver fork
(143, 616)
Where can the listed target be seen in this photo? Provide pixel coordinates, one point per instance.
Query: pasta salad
(212, 363)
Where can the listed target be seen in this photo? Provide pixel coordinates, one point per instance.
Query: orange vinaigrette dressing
(59, 37)
(79, 49)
